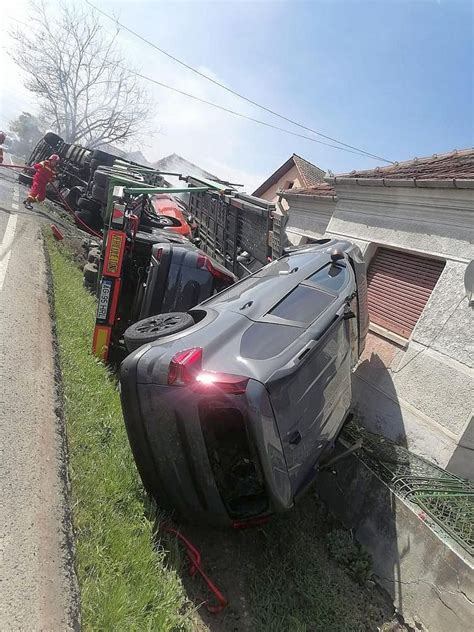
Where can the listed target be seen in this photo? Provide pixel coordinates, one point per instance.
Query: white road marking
(14, 206)
(6, 247)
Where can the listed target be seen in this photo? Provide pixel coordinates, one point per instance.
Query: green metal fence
(445, 498)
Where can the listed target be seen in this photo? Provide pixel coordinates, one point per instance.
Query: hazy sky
(394, 78)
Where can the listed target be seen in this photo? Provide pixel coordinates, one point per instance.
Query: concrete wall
(308, 216)
(420, 391)
(430, 580)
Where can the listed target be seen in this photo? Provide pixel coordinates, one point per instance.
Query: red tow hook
(194, 557)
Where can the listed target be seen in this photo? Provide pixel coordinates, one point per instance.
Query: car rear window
(331, 277)
(303, 305)
(266, 340)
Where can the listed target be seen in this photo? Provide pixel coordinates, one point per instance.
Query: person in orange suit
(45, 172)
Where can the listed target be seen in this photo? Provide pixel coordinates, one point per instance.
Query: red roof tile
(322, 189)
(310, 174)
(456, 164)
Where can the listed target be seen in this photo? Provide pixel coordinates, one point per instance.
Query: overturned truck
(148, 272)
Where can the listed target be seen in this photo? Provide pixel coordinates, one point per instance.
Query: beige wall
(418, 392)
(271, 193)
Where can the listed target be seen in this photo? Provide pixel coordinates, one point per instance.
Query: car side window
(332, 277)
(302, 305)
(266, 340)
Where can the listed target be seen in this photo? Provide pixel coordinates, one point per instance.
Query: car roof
(266, 287)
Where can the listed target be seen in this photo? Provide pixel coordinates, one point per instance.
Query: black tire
(24, 178)
(86, 157)
(103, 158)
(52, 139)
(90, 286)
(93, 255)
(166, 220)
(63, 151)
(155, 327)
(90, 272)
(73, 196)
(86, 204)
(89, 221)
(99, 193)
(101, 179)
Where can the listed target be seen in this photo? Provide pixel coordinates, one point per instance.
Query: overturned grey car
(229, 417)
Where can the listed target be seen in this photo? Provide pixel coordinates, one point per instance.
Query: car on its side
(229, 417)
(169, 205)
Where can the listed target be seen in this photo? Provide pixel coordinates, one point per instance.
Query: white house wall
(308, 216)
(421, 395)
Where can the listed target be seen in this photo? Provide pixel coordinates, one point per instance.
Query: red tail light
(185, 366)
(185, 370)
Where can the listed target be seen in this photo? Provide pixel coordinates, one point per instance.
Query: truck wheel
(101, 179)
(103, 158)
(73, 196)
(91, 272)
(53, 139)
(155, 327)
(93, 255)
(86, 204)
(91, 286)
(99, 193)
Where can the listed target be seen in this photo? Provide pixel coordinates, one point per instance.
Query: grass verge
(125, 583)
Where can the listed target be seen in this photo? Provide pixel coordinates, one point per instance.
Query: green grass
(297, 574)
(296, 584)
(124, 581)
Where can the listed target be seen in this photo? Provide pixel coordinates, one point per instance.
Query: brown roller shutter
(399, 286)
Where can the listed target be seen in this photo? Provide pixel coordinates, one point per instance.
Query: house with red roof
(414, 223)
(296, 173)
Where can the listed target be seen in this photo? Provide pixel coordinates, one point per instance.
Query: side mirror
(348, 315)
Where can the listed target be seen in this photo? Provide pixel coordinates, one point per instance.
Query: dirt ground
(280, 577)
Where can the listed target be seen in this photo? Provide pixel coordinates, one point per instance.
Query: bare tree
(86, 91)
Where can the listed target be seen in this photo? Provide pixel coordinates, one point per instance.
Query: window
(289, 184)
(303, 305)
(399, 285)
(332, 277)
(266, 340)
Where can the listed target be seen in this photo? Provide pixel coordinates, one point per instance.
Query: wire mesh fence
(447, 499)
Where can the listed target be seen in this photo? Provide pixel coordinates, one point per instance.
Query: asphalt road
(37, 585)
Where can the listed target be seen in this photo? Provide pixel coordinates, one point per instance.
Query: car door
(311, 394)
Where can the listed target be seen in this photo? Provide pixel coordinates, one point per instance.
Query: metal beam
(139, 190)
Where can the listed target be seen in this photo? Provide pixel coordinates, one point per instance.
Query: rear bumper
(173, 457)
